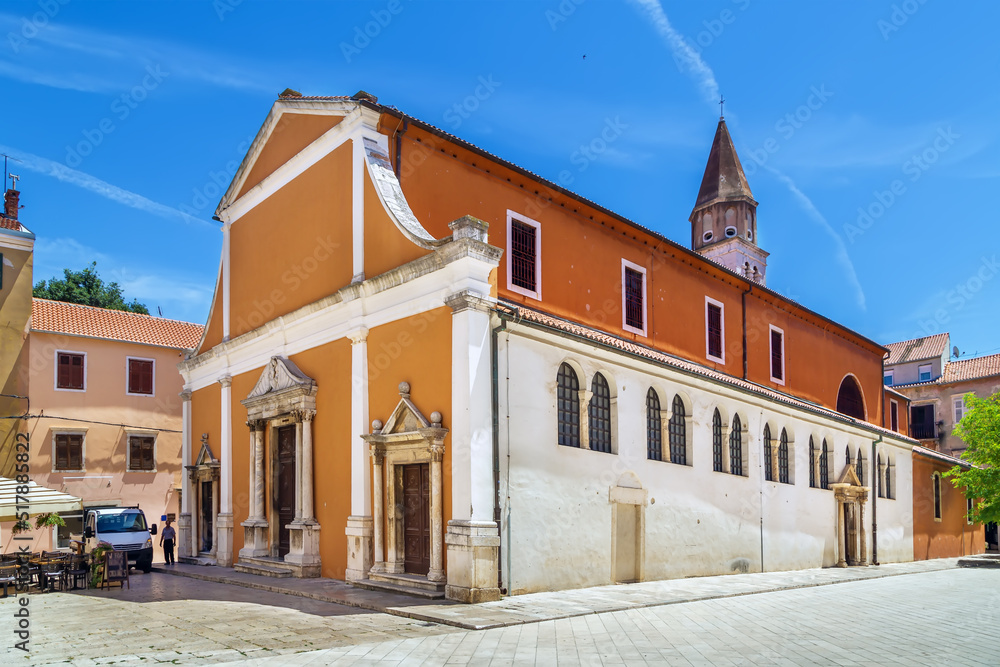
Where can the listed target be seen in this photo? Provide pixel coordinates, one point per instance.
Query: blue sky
(868, 129)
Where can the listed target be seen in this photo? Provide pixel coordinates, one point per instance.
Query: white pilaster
(359, 523)
(224, 553)
(358, 206)
(184, 537)
(226, 233)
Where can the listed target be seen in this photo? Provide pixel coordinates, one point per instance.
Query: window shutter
(776, 354)
(714, 331)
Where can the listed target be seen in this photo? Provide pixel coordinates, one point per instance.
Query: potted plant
(49, 519)
(97, 563)
(22, 526)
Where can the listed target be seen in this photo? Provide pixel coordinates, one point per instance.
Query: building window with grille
(599, 415)
(859, 466)
(717, 441)
(141, 453)
(777, 355)
(524, 268)
(890, 472)
(824, 466)
(654, 427)
(633, 298)
(140, 376)
(936, 480)
(893, 417)
(678, 432)
(68, 452)
(736, 447)
(812, 462)
(768, 473)
(783, 457)
(71, 371)
(568, 399)
(715, 330)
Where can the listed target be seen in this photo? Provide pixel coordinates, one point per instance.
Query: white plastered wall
(556, 509)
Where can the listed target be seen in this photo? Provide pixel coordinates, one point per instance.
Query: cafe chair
(8, 576)
(78, 570)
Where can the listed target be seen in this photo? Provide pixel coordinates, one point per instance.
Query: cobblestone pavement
(949, 617)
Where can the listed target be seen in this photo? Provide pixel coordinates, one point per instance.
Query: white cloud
(840, 250)
(685, 56)
(103, 188)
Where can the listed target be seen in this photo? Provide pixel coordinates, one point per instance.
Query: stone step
(392, 587)
(263, 570)
(406, 580)
(980, 561)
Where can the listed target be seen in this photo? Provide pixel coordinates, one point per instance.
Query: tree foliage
(86, 287)
(980, 430)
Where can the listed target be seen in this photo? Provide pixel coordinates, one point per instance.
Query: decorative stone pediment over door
(850, 496)
(282, 401)
(408, 451)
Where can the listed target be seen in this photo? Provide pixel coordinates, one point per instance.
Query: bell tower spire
(724, 219)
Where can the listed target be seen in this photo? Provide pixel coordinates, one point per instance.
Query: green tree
(980, 430)
(86, 287)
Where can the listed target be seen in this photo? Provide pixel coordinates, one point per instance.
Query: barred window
(600, 415)
(888, 479)
(848, 456)
(768, 475)
(736, 447)
(654, 435)
(783, 457)
(634, 315)
(777, 354)
(878, 466)
(812, 462)
(523, 255)
(678, 433)
(859, 467)
(568, 406)
(714, 331)
(824, 467)
(717, 441)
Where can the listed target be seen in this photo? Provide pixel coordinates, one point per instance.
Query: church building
(428, 369)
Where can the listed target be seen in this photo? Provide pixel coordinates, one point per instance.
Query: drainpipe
(875, 480)
(399, 147)
(495, 410)
(744, 299)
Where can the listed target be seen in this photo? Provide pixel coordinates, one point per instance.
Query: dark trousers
(168, 551)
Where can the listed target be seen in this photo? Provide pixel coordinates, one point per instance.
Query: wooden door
(207, 517)
(285, 486)
(417, 518)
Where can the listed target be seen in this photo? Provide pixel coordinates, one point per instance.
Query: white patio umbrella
(39, 500)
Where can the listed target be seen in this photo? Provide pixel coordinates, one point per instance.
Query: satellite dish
(954, 351)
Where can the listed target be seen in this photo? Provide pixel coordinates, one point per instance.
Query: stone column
(255, 532)
(308, 511)
(473, 538)
(304, 531)
(863, 547)
(359, 523)
(378, 513)
(184, 531)
(436, 571)
(841, 546)
(298, 467)
(224, 552)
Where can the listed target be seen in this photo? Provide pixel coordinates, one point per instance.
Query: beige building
(105, 409)
(920, 370)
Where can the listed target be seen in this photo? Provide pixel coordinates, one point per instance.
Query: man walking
(167, 538)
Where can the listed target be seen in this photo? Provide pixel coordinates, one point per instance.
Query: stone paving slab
(538, 607)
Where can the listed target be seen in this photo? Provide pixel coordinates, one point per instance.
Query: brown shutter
(714, 331)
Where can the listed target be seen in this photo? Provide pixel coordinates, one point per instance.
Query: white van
(125, 529)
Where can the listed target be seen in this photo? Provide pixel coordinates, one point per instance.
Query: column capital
(437, 452)
(185, 395)
(303, 415)
(255, 425)
(359, 335)
(469, 300)
(226, 381)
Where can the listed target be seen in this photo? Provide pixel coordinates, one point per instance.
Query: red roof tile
(76, 320)
(971, 369)
(916, 349)
(9, 223)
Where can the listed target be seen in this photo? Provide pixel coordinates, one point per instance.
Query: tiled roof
(971, 369)
(917, 349)
(941, 456)
(525, 314)
(9, 223)
(76, 320)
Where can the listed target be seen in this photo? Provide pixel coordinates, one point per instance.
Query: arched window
(783, 457)
(717, 441)
(678, 433)
(849, 400)
(888, 478)
(848, 450)
(824, 467)
(654, 435)
(859, 467)
(812, 462)
(600, 415)
(568, 400)
(878, 466)
(736, 447)
(767, 454)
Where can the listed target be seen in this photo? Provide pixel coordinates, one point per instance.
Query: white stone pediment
(280, 374)
(850, 477)
(406, 418)
(205, 455)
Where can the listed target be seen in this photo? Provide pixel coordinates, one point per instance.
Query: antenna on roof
(722, 101)
(954, 351)
(5, 174)
(160, 311)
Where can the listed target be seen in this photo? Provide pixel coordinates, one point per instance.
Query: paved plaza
(934, 615)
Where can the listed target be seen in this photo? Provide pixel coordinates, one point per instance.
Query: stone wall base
(359, 547)
(473, 548)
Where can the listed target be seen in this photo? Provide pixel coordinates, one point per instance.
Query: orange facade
(941, 528)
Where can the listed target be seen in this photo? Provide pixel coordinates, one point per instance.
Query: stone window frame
(523, 219)
(580, 400)
(139, 433)
(55, 371)
(688, 428)
(82, 432)
(609, 380)
(641, 270)
(789, 442)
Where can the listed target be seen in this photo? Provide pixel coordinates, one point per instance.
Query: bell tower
(724, 219)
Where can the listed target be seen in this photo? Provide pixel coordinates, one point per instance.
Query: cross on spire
(722, 101)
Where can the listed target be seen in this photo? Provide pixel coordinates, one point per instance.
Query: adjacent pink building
(106, 408)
